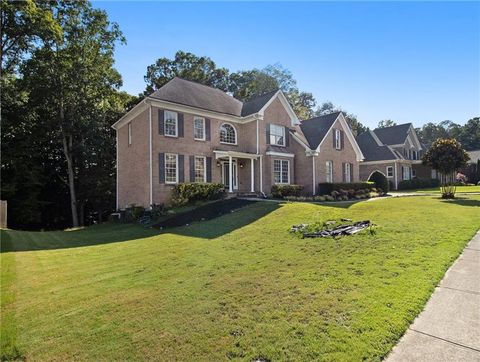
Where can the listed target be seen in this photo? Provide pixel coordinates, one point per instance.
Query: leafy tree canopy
(355, 125)
(386, 123)
(446, 156)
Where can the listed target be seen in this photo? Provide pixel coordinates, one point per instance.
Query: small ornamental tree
(446, 156)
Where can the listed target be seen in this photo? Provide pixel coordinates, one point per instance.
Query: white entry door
(225, 174)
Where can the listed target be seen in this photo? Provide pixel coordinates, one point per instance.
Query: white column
(252, 189)
(396, 177)
(261, 174)
(230, 174)
(313, 177)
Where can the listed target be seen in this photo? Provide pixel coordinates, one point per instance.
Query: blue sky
(406, 61)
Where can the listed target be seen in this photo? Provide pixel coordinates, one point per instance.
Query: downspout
(116, 168)
(150, 154)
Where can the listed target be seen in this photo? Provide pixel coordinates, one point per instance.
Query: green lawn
(238, 287)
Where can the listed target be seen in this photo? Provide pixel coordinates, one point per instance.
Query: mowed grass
(436, 190)
(238, 287)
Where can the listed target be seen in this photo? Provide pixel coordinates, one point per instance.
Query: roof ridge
(322, 115)
(397, 125)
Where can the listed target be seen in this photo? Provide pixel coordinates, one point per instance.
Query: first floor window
(171, 168)
(277, 135)
(389, 171)
(347, 173)
(199, 128)
(200, 174)
(406, 173)
(281, 171)
(171, 126)
(329, 171)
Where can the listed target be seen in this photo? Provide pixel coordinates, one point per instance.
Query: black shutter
(334, 144)
(268, 133)
(181, 169)
(344, 178)
(161, 167)
(180, 124)
(161, 121)
(209, 169)
(192, 168)
(351, 173)
(342, 140)
(207, 129)
(287, 137)
(402, 174)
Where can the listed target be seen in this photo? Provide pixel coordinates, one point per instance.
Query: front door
(225, 175)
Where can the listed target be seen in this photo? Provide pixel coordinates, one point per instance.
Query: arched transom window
(228, 134)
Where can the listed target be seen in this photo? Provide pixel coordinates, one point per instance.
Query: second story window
(277, 135)
(171, 124)
(228, 134)
(338, 139)
(199, 128)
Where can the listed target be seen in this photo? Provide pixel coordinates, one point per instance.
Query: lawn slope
(238, 287)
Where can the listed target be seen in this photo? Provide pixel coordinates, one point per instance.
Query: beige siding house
(188, 132)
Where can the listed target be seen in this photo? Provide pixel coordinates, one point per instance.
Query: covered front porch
(239, 171)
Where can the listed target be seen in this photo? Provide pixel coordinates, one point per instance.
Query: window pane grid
(228, 134)
(277, 135)
(280, 171)
(199, 169)
(199, 129)
(170, 168)
(329, 171)
(170, 123)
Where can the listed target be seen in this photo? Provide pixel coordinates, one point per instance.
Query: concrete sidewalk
(448, 329)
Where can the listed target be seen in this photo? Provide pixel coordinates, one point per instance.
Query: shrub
(298, 198)
(418, 183)
(381, 182)
(158, 210)
(319, 198)
(134, 213)
(184, 193)
(282, 191)
(326, 188)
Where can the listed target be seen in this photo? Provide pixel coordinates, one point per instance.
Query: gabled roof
(394, 135)
(372, 150)
(316, 128)
(197, 95)
(256, 104)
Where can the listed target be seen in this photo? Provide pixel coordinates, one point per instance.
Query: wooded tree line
(60, 95)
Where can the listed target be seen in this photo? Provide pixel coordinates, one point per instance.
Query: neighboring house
(188, 132)
(395, 152)
(474, 156)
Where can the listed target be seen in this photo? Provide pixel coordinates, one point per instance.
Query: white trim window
(338, 139)
(281, 171)
(129, 133)
(170, 124)
(347, 172)
(329, 171)
(228, 134)
(171, 168)
(200, 169)
(277, 135)
(406, 172)
(389, 171)
(199, 128)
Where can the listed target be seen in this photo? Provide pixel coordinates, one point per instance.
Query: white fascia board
(392, 161)
(415, 137)
(279, 154)
(285, 104)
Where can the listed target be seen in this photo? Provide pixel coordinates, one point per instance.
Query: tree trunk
(71, 178)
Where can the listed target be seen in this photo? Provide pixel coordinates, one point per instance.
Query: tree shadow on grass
(14, 240)
(463, 202)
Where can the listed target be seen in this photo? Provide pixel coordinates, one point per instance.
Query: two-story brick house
(394, 151)
(188, 132)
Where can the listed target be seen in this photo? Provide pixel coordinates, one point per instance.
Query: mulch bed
(203, 213)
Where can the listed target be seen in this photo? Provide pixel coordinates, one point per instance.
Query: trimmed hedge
(281, 191)
(381, 182)
(185, 193)
(418, 183)
(326, 188)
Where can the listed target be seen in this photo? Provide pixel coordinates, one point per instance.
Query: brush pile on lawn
(332, 228)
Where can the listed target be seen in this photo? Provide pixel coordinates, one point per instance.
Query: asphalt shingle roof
(394, 135)
(316, 128)
(371, 150)
(197, 95)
